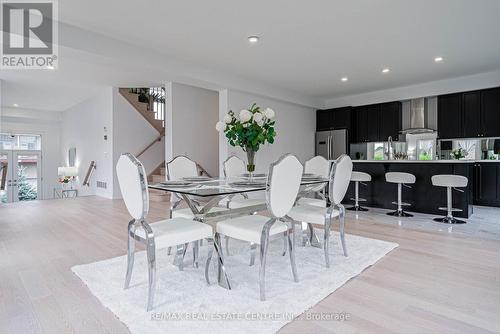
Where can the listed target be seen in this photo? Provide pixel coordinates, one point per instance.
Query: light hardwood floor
(434, 282)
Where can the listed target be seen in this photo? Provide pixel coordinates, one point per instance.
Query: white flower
(261, 122)
(246, 125)
(258, 118)
(245, 116)
(269, 113)
(220, 126)
(228, 119)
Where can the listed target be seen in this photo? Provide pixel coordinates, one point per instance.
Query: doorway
(20, 168)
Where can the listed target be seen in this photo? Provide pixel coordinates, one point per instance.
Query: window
(20, 142)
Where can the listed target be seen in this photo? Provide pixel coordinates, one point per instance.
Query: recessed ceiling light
(438, 59)
(344, 79)
(253, 39)
(16, 105)
(386, 70)
(50, 67)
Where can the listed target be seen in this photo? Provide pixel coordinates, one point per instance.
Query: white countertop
(428, 161)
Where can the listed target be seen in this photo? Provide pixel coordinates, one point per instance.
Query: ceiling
(306, 47)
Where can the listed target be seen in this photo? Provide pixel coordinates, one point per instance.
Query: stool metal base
(399, 213)
(449, 220)
(357, 208)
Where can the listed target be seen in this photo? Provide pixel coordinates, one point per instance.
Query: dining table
(201, 194)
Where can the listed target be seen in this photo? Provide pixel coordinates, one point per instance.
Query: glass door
(5, 176)
(27, 171)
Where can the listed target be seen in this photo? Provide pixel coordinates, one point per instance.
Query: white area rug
(216, 310)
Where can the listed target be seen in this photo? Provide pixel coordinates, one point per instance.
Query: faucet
(389, 153)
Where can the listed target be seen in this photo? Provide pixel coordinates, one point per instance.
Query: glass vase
(250, 161)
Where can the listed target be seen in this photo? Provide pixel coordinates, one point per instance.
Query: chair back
(133, 185)
(180, 167)
(234, 166)
(340, 176)
(283, 184)
(318, 165)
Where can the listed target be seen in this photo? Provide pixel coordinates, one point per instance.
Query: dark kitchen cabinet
(472, 122)
(376, 122)
(324, 120)
(469, 114)
(450, 116)
(337, 118)
(390, 120)
(490, 112)
(487, 183)
(364, 130)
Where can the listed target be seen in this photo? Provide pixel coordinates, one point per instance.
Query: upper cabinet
(376, 122)
(490, 112)
(450, 116)
(390, 120)
(337, 118)
(470, 114)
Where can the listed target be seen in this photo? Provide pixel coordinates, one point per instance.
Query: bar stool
(402, 179)
(450, 182)
(357, 178)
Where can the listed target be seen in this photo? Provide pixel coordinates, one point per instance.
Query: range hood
(418, 117)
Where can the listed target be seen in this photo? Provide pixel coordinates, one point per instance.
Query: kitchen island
(423, 196)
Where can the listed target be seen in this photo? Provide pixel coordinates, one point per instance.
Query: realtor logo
(29, 34)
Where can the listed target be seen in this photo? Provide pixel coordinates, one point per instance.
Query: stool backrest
(447, 180)
(340, 176)
(283, 184)
(133, 183)
(180, 167)
(234, 166)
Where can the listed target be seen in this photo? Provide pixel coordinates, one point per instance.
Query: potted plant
(250, 129)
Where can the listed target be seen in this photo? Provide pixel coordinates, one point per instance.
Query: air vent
(101, 184)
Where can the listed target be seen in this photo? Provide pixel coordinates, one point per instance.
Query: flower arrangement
(458, 153)
(250, 129)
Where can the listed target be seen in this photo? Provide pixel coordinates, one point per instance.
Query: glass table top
(222, 187)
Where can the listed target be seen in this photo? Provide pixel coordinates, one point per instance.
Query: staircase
(150, 103)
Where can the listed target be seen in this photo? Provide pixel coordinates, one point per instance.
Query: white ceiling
(305, 47)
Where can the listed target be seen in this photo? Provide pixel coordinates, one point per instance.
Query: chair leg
(209, 258)
(130, 253)
(285, 246)
(313, 238)
(150, 250)
(262, 270)
(291, 252)
(253, 247)
(341, 228)
(227, 245)
(222, 277)
(196, 250)
(181, 253)
(326, 244)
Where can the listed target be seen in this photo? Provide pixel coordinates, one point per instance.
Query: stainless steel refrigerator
(331, 144)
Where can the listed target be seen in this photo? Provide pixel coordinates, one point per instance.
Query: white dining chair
(317, 165)
(235, 167)
(177, 169)
(281, 192)
(340, 177)
(133, 183)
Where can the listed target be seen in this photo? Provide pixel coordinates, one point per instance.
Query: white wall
(191, 115)
(40, 122)
(83, 128)
(461, 84)
(132, 133)
(295, 128)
